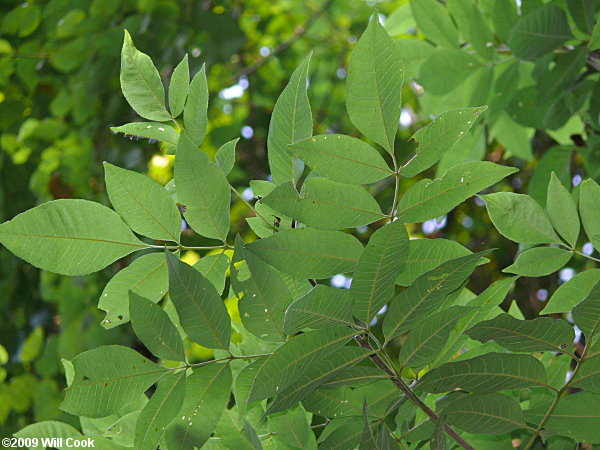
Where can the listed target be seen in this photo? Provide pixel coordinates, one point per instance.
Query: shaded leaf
(588, 375)
(539, 261)
(589, 208)
(572, 292)
(457, 66)
(562, 211)
(587, 313)
(214, 269)
(435, 22)
(292, 427)
(195, 111)
(355, 376)
(81, 236)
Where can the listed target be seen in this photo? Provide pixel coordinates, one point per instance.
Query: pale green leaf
(225, 156)
(201, 311)
(325, 204)
(342, 158)
(146, 276)
(291, 122)
(413, 53)
(537, 335)
(572, 292)
(520, 218)
(589, 208)
(70, 237)
(316, 374)
(562, 211)
(427, 254)
(586, 314)
(203, 189)
(309, 253)
(322, 307)
(160, 410)
(488, 373)
(195, 116)
(434, 21)
(373, 282)
(50, 429)
(575, 415)
(374, 85)
(539, 32)
(429, 336)
(428, 199)
(150, 130)
(154, 328)
(456, 65)
(539, 261)
(485, 413)
(142, 203)
(141, 84)
(439, 137)
(178, 87)
(473, 26)
(294, 357)
(206, 396)
(214, 269)
(107, 378)
(426, 294)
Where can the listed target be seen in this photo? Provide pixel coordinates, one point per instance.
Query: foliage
(407, 355)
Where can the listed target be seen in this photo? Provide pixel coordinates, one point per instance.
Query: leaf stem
(397, 380)
(396, 188)
(241, 197)
(213, 361)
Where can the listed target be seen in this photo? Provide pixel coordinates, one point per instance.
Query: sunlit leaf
(572, 292)
(195, 111)
(539, 261)
(150, 130)
(179, 86)
(225, 156)
(562, 211)
(435, 22)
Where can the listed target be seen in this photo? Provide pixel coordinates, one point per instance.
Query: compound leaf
(179, 86)
(195, 116)
(225, 156)
(572, 292)
(539, 261)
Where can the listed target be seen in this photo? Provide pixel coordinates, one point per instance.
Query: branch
(410, 395)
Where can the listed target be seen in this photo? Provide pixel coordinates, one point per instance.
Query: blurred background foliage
(59, 93)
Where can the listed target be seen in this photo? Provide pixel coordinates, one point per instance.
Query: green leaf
(160, 410)
(342, 158)
(428, 199)
(294, 357)
(456, 65)
(588, 375)
(146, 276)
(438, 137)
(291, 427)
(373, 283)
(108, 378)
(435, 22)
(374, 85)
(225, 156)
(426, 294)
(154, 328)
(151, 130)
(291, 122)
(562, 211)
(142, 203)
(317, 374)
(485, 413)
(325, 204)
(266, 297)
(427, 254)
(230, 432)
(488, 373)
(520, 218)
(322, 307)
(589, 208)
(539, 32)
(205, 197)
(50, 429)
(345, 435)
(539, 261)
(537, 335)
(429, 337)
(413, 52)
(473, 26)
(201, 311)
(141, 84)
(594, 43)
(556, 159)
(178, 87)
(251, 434)
(195, 116)
(586, 314)
(206, 396)
(572, 292)
(355, 376)
(309, 253)
(70, 237)
(243, 386)
(504, 15)
(214, 269)
(575, 415)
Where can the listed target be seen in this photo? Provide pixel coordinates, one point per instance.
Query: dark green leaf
(355, 376)
(195, 112)
(539, 261)
(322, 307)
(251, 434)
(589, 208)
(179, 86)
(154, 328)
(456, 65)
(374, 277)
(374, 85)
(292, 427)
(309, 253)
(342, 158)
(81, 236)
(588, 375)
(214, 269)
(201, 311)
(291, 122)
(587, 313)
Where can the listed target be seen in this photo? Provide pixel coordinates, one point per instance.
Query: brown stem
(410, 395)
